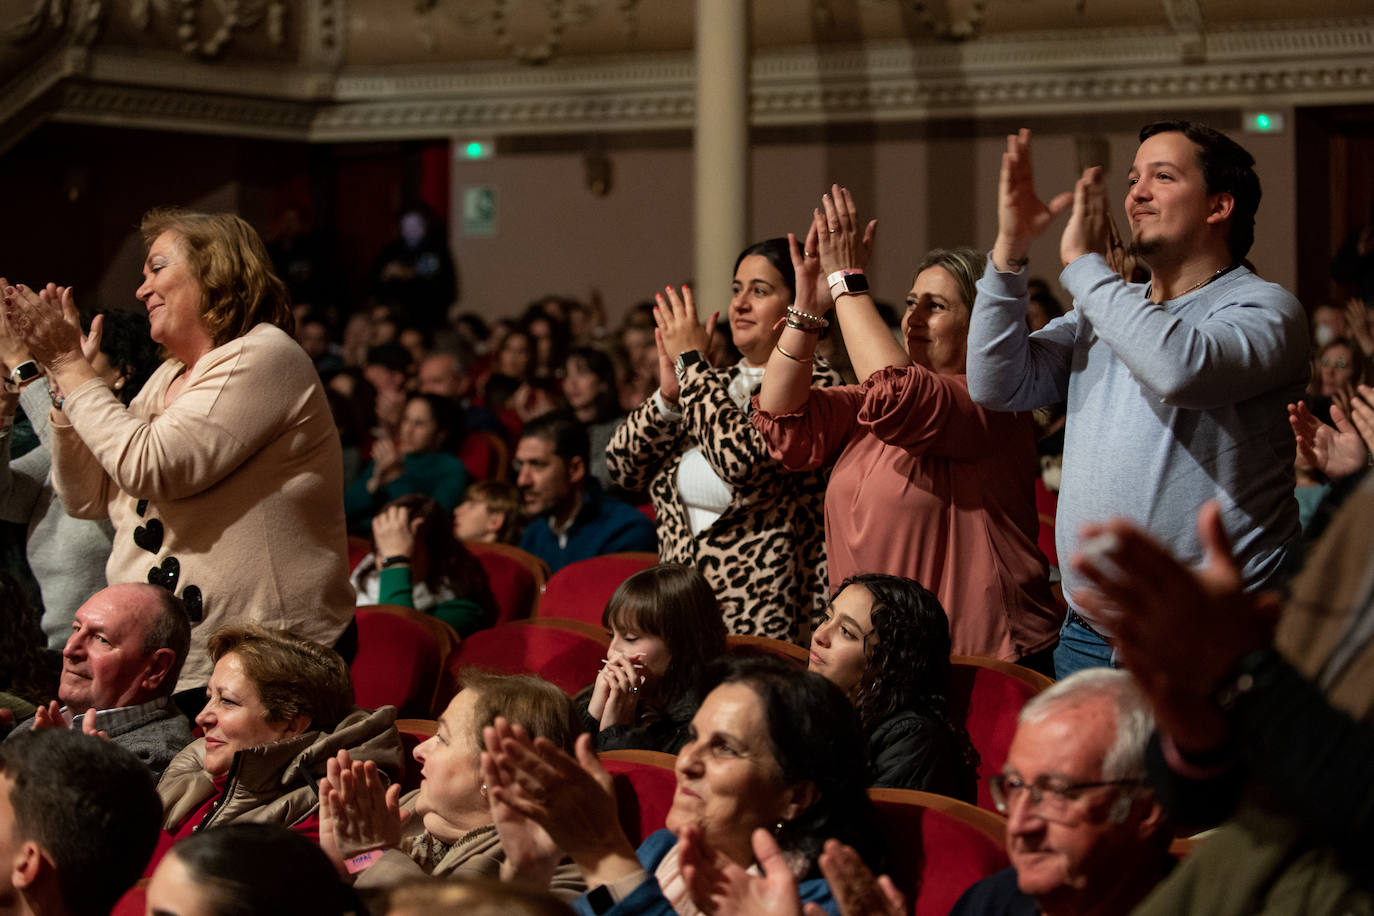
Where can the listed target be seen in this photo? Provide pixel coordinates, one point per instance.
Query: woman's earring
(484, 790)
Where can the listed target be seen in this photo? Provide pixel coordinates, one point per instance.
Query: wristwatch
(23, 373)
(685, 358)
(843, 282)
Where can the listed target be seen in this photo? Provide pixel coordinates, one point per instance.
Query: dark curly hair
(908, 657)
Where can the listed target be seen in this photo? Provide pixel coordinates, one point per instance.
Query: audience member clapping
(67, 555)
(884, 641)
(665, 629)
(925, 484)
(771, 747)
(387, 369)
(1342, 447)
(417, 563)
(416, 462)
(278, 709)
(489, 513)
(248, 870)
(450, 826)
(1263, 712)
(590, 390)
(229, 448)
(722, 503)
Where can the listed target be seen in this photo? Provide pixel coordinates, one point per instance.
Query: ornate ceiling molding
(1330, 62)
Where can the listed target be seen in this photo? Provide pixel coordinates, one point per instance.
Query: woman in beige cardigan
(223, 478)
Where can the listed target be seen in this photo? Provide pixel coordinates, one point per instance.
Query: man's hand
(1021, 215)
(1336, 451)
(1088, 229)
(1180, 631)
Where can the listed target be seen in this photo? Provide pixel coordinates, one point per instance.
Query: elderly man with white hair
(1084, 832)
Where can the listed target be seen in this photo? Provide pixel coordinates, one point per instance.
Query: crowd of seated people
(832, 548)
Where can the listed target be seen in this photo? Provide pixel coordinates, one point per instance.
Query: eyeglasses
(1052, 797)
(1328, 363)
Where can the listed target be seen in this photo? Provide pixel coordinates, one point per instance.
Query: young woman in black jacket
(885, 643)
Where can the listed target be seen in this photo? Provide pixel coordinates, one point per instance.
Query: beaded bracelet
(798, 326)
(817, 321)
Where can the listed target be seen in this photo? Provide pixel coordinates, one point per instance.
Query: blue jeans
(1079, 648)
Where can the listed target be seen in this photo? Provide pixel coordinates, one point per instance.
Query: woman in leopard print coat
(754, 529)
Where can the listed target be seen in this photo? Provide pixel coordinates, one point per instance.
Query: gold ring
(808, 253)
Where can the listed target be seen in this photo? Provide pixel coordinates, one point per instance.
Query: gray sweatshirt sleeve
(22, 480)
(1009, 368)
(1241, 346)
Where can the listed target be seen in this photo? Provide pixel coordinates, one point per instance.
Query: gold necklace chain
(1204, 282)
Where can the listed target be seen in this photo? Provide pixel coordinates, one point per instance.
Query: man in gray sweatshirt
(1176, 389)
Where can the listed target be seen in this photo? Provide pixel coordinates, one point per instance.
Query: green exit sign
(1264, 122)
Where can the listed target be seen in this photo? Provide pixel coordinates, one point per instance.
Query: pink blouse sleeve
(813, 435)
(925, 412)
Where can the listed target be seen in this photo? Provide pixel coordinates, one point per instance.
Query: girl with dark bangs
(666, 628)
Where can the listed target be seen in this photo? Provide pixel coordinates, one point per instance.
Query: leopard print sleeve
(642, 445)
(736, 450)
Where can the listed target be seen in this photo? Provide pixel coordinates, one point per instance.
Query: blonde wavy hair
(229, 260)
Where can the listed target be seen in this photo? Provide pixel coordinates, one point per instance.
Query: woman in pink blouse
(925, 483)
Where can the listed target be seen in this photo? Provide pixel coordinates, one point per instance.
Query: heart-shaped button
(167, 574)
(195, 603)
(149, 536)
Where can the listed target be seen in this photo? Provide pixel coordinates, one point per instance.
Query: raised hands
(47, 324)
(840, 242)
(531, 854)
(572, 799)
(679, 330)
(857, 892)
(1089, 228)
(1021, 215)
(357, 812)
(1340, 450)
(720, 887)
(393, 532)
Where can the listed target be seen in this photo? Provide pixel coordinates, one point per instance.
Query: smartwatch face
(855, 283)
(26, 372)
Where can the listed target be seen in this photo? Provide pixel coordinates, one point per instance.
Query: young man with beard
(1177, 388)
